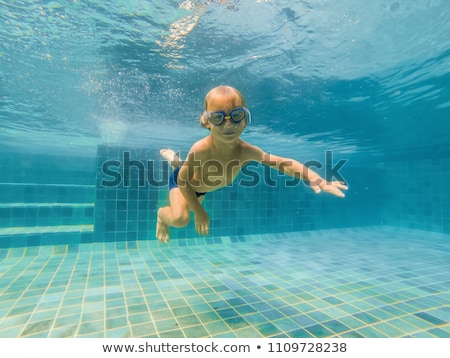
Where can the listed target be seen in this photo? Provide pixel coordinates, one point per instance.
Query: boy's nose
(227, 120)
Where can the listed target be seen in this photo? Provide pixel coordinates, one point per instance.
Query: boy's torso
(215, 170)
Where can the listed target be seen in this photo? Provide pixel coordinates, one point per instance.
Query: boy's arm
(297, 170)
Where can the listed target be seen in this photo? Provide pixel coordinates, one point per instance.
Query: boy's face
(228, 130)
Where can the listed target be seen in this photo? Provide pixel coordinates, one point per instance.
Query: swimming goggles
(236, 115)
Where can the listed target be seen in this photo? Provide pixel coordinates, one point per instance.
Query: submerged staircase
(45, 214)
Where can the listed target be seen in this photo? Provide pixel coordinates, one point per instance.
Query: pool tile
(145, 289)
(248, 332)
(319, 331)
(370, 332)
(439, 333)
(227, 313)
(189, 320)
(166, 325)
(121, 332)
(146, 329)
(217, 327)
(116, 322)
(300, 333)
(430, 318)
(303, 320)
(268, 329)
(273, 314)
(366, 317)
(36, 327)
(197, 331)
(351, 334)
(336, 326)
(68, 331)
(388, 329)
(176, 333)
(236, 322)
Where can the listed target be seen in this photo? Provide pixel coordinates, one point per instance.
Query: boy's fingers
(340, 185)
(340, 194)
(203, 229)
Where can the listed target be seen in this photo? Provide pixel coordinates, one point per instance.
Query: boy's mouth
(228, 132)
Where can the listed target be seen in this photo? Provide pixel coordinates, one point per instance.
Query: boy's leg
(172, 157)
(176, 215)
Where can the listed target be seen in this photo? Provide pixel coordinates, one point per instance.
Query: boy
(215, 161)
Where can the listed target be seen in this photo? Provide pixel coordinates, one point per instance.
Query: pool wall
(48, 199)
(416, 193)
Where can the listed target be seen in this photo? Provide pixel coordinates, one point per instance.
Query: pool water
(92, 90)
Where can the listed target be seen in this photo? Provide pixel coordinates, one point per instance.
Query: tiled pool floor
(361, 282)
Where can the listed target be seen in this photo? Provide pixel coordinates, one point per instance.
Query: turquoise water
(90, 92)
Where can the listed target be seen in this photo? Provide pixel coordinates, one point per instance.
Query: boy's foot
(162, 230)
(172, 157)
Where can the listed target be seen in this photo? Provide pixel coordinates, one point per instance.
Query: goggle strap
(249, 116)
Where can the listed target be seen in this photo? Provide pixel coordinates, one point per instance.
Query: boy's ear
(204, 120)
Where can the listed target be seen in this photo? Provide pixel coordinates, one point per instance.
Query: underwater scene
(355, 91)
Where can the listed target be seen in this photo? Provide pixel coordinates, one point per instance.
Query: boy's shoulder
(200, 150)
(251, 152)
(201, 145)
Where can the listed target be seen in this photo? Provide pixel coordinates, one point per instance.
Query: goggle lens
(236, 115)
(216, 118)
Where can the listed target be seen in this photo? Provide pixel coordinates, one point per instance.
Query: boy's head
(219, 99)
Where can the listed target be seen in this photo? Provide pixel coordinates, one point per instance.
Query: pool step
(31, 230)
(33, 214)
(45, 214)
(46, 193)
(45, 235)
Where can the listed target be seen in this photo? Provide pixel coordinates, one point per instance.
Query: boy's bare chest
(214, 174)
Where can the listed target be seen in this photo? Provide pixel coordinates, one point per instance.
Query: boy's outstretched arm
(296, 169)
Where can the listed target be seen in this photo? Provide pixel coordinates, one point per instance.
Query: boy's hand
(201, 219)
(334, 188)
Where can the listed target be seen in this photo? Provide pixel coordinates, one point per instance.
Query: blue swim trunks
(173, 181)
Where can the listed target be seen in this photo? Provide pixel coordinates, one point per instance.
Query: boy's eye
(238, 115)
(216, 117)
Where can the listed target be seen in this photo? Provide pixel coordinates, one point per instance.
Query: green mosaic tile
(67, 331)
(352, 322)
(142, 330)
(217, 327)
(370, 332)
(388, 329)
(439, 333)
(225, 290)
(351, 334)
(198, 331)
(36, 327)
(268, 329)
(176, 333)
(300, 333)
(336, 326)
(319, 331)
(121, 332)
(249, 332)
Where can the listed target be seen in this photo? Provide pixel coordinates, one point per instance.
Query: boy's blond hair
(220, 93)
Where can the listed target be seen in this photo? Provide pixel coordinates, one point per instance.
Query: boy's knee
(181, 220)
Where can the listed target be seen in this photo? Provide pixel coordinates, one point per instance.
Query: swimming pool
(93, 92)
